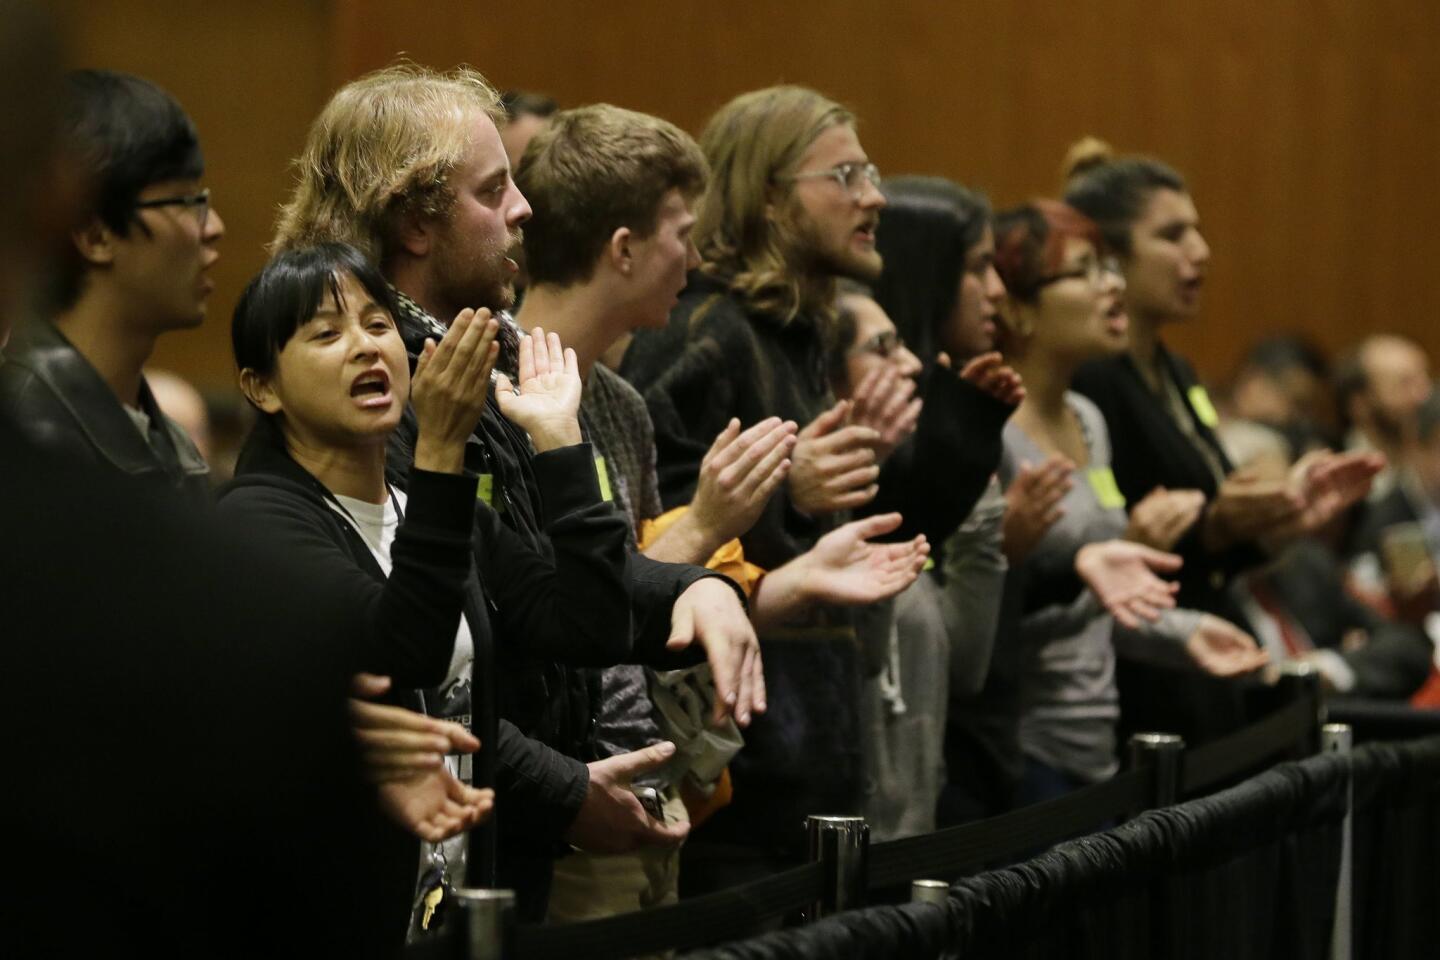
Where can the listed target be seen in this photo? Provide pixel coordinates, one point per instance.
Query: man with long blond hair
(407, 164)
(792, 204)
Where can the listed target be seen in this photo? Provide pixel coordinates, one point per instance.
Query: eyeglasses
(883, 344)
(199, 202)
(1092, 270)
(851, 176)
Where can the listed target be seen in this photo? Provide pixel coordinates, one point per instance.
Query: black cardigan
(405, 626)
(715, 360)
(937, 475)
(1149, 450)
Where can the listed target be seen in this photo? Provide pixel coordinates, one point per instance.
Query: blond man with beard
(408, 165)
(793, 201)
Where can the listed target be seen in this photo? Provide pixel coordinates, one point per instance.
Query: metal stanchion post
(1299, 679)
(1339, 738)
(841, 845)
(1161, 751)
(929, 891)
(487, 918)
(937, 893)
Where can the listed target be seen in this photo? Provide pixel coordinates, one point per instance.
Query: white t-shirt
(377, 523)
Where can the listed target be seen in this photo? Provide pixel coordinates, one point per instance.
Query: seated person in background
(1063, 308)
(178, 399)
(1396, 546)
(609, 246)
(1283, 383)
(1379, 387)
(1300, 608)
(134, 268)
(526, 114)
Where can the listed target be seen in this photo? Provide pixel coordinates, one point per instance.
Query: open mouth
(371, 388)
(866, 233)
(1116, 320)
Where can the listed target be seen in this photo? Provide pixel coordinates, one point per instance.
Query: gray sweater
(1069, 699)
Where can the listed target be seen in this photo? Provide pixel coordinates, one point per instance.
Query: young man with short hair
(135, 268)
(612, 191)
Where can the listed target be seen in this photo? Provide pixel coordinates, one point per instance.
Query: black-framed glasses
(1093, 270)
(198, 202)
(851, 176)
(884, 344)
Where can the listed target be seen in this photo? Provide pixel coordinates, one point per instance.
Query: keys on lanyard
(434, 891)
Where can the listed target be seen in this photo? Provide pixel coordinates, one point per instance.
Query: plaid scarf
(416, 324)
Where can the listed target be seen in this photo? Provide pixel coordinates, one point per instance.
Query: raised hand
(1032, 504)
(611, 820)
(885, 401)
(833, 466)
(448, 390)
(843, 568)
(546, 401)
(1249, 505)
(709, 613)
(738, 475)
(1329, 483)
(1221, 649)
(1122, 575)
(989, 373)
(399, 744)
(434, 805)
(1163, 516)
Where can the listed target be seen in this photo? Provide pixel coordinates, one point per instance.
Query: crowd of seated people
(632, 496)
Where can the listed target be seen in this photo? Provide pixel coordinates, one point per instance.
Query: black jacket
(1149, 450)
(936, 476)
(717, 360)
(563, 592)
(1311, 585)
(57, 399)
(407, 627)
(196, 682)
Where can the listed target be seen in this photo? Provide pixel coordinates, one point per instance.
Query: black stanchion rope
(1226, 758)
(950, 853)
(717, 917)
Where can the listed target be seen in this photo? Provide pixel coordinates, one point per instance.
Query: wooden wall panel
(1309, 129)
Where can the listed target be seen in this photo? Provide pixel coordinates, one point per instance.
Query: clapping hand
(833, 466)
(1032, 504)
(885, 401)
(1123, 577)
(545, 403)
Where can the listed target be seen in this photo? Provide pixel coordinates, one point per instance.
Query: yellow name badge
(485, 489)
(1204, 409)
(1106, 490)
(602, 473)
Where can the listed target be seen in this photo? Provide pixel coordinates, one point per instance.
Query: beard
(470, 277)
(822, 256)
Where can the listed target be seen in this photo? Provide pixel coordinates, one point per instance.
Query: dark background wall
(1309, 129)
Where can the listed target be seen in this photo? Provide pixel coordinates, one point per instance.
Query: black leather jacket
(59, 401)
